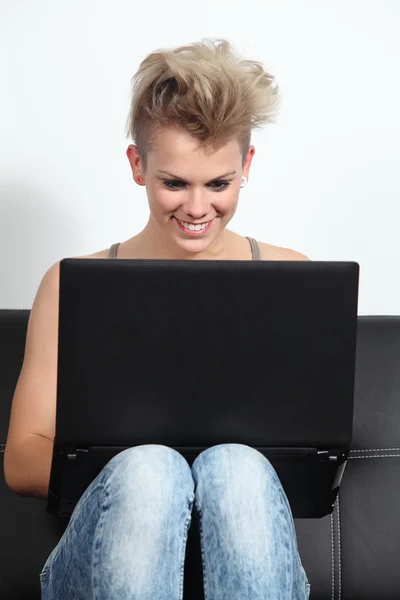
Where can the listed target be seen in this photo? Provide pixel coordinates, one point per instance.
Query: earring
(139, 179)
(244, 182)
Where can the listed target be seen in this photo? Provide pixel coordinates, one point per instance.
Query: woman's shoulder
(270, 252)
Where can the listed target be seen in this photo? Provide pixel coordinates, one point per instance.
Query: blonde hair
(203, 88)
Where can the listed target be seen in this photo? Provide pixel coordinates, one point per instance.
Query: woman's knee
(149, 470)
(228, 466)
(234, 454)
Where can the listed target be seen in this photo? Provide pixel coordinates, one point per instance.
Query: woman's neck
(151, 244)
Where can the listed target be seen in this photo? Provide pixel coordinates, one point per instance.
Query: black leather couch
(352, 554)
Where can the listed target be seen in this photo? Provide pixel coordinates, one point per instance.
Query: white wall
(325, 180)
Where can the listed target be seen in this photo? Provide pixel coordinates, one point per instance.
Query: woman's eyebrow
(181, 179)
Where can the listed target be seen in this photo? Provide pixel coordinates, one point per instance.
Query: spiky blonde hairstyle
(203, 88)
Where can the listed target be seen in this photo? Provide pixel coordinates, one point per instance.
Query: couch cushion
(28, 535)
(356, 550)
(377, 391)
(370, 495)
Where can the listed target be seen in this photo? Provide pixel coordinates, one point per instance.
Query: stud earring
(244, 182)
(139, 179)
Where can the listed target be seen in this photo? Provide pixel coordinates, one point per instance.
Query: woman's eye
(220, 185)
(171, 184)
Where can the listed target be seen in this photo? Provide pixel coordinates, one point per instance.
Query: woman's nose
(197, 206)
(196, 216)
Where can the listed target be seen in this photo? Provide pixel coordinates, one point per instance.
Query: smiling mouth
(194, 228)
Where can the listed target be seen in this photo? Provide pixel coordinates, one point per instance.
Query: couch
(352, 554)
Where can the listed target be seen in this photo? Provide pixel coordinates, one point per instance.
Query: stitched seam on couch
(339, 550)
(336, 552)
(376, 450)
(375, 456)
(333, 559)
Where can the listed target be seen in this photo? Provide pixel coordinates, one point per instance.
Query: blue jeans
(126, 538)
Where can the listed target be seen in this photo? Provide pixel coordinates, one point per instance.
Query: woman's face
(192, 194)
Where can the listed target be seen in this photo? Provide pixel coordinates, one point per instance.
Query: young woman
(192, 112)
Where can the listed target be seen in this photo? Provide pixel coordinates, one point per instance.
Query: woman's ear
(247, 162)
(136, 164)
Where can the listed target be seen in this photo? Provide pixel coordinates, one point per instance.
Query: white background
(326, 177)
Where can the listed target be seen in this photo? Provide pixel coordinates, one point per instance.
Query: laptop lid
(196, 353)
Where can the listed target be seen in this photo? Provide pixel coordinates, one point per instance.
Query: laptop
(191, 354)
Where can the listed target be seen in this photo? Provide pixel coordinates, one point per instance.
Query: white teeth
(192, 227)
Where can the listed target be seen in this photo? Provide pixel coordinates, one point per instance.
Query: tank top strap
(113, 251)
(255, 248)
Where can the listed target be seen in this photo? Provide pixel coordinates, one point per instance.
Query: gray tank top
(255, 249)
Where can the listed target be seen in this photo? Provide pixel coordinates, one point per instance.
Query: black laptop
(191, 354)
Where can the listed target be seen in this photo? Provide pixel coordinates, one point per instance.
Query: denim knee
(237, 465)
(151, 470)
(237, 454)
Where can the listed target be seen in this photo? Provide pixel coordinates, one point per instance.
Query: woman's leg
(248, 539)
(127, 535)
